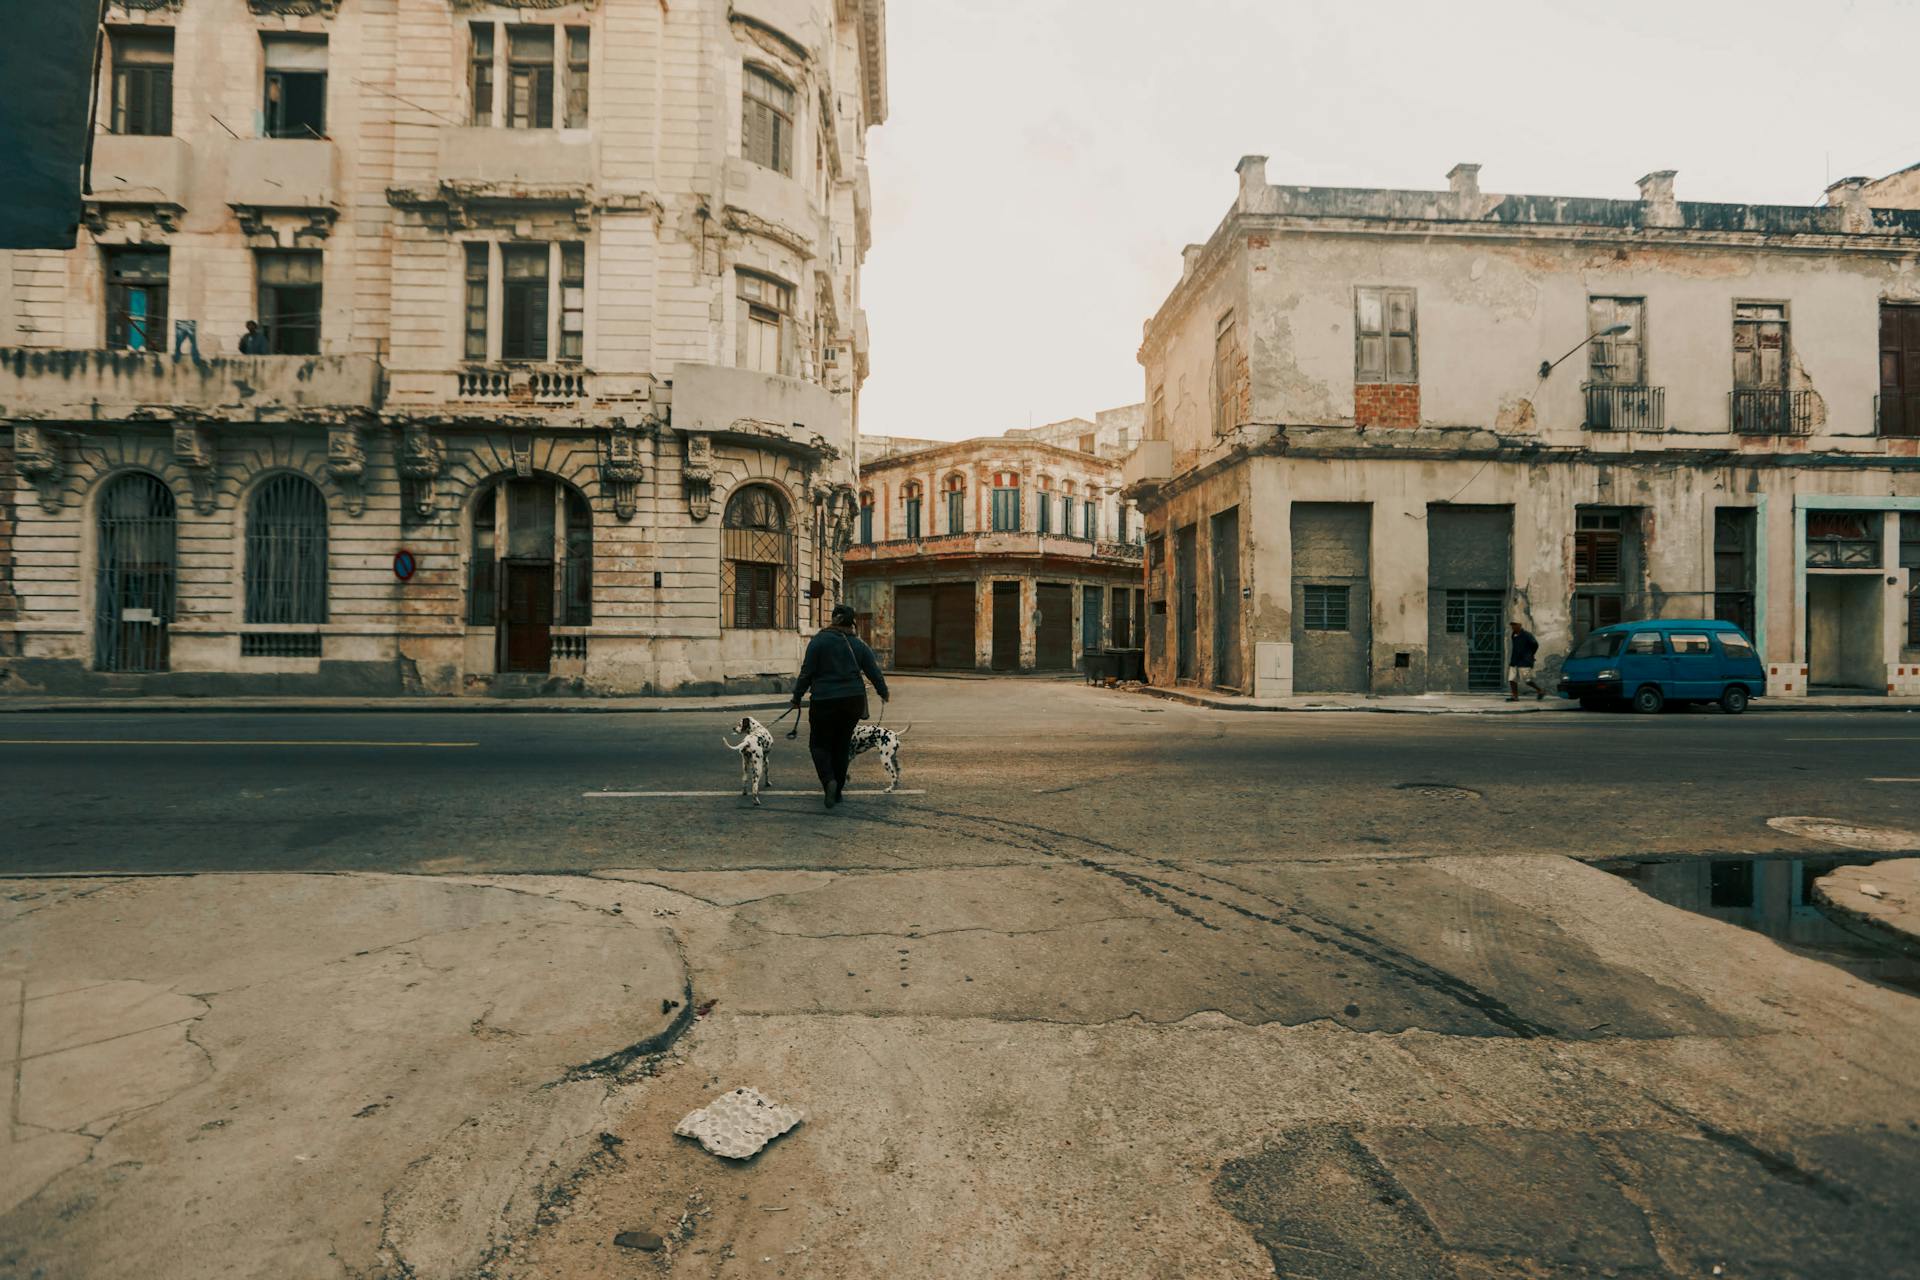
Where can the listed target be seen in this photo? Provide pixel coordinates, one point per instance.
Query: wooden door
(1226, 599)
(528, 624)
(1899, 370)
(953, 617)
(1006, 626)
(1053, 628)
(1187, 601)
(913, 627)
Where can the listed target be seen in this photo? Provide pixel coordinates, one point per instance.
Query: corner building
(1383, 423)
(558, 358)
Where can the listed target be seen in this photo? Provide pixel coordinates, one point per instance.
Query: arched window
(910, 494)
(134, 580)
(1006, 501)
(956, 504)
(866, 517)
(757, 569)
(287, 552)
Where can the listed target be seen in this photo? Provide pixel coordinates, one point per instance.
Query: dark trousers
(830, 726)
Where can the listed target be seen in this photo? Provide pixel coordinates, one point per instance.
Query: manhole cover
(1438, 791)
(1847, 834)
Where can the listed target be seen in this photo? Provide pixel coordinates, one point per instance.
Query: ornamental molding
(347, 465)
(264, 221)
(477, 6)
(100, 217)
(621, 470)
(40, 454)
(196, 454)
(522, 446)
(295, 8)
(734, 218)
(420, 460)
(494, 206)
(696, 474)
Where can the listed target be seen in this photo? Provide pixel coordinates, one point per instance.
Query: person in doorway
(836, 661)
(253, 342)
(1521, 651)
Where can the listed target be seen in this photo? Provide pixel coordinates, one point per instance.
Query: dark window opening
(290, 296)
(523, 330)
(137, 299)
(143, 83)
(1324, 608)
(295, 105)
(530, 77)
(766, 121)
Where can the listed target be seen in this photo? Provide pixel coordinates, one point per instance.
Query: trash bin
(1098, 665)
(1131, 664)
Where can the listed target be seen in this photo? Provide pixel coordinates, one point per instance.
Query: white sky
(1044, 160)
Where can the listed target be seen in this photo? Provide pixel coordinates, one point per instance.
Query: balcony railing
(1623, 407)
(1002, 541)
(1897, 414)
(1771, 411)
(543, 386)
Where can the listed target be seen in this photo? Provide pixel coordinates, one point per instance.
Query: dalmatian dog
(756, 756)
(873, 737)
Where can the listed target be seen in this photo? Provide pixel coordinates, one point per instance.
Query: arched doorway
(134, 577)
(530, 568)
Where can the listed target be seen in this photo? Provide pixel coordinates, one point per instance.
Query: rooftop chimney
(1464, 179)
(1849, 195)
(1656, 192)
(1190, 258)
(1253, 178)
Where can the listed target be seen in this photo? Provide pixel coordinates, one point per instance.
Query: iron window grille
(280, 644)
(1323, 607)
(767, 108)
(1618, 407)
(134, 581)
(1843, 540)
(286, 575)
(137, 299)
(757, 563)
(143, 83)
(1458, 604)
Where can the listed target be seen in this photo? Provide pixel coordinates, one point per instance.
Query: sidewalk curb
(1549, 706)
(404, 706)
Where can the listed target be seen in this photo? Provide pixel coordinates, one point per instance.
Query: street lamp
(1611, 331)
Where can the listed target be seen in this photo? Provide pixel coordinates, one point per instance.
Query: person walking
(835, 662)
(1522, 648)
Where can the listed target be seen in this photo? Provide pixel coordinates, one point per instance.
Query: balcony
(281, 173)
(117, 386)
(1771, 411)
(134, 170)
(1622, 407)
(1004, 544)
(509, 384)
(1150, 463)
(760, 408)
(510, 160)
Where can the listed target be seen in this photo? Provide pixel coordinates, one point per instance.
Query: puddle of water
(1774, 896)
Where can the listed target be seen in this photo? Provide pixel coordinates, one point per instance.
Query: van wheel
(1734, 700)
(1648, 700)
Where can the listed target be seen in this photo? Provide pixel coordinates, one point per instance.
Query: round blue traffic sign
(403, 565)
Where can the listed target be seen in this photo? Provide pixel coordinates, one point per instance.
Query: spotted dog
(756, 756)
(873, 737)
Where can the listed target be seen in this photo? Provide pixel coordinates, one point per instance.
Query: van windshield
(1600, 645)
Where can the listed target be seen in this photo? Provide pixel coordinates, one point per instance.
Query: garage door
(913, 627)
(953, 611)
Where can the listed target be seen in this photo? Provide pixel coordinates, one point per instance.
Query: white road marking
(689, 795)
(1906, 738)
(216, 742)
(1893, 779)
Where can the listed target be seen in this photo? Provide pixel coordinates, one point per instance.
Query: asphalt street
(1152, 990)
(1005, 768)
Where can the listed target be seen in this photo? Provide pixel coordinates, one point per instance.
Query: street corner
(406, 1058)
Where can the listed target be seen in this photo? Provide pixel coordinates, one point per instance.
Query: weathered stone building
(558, 355)
(1382, 423)
(1005, 553)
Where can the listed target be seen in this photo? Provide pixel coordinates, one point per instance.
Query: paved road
(1134, 988)
(1004, 765)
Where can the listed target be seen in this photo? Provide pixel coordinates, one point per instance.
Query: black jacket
(1522, 648)
(834, 663)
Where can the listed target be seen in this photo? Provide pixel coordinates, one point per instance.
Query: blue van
(1665, 661)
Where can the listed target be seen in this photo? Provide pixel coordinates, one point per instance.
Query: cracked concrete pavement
(284, 1075)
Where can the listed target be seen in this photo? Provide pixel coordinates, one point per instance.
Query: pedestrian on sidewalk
(1522, 648)
(835, 662)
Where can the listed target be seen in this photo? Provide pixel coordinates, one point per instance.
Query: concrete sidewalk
(1455, 704)
(1884, 896)
(307, 1075)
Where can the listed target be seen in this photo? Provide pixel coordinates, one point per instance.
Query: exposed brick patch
(1386, 404)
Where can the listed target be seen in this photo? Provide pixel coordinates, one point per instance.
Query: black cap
(843, 615)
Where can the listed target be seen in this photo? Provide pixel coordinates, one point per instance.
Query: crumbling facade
(445, 346)
(1383, 423)
(1005, 553)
